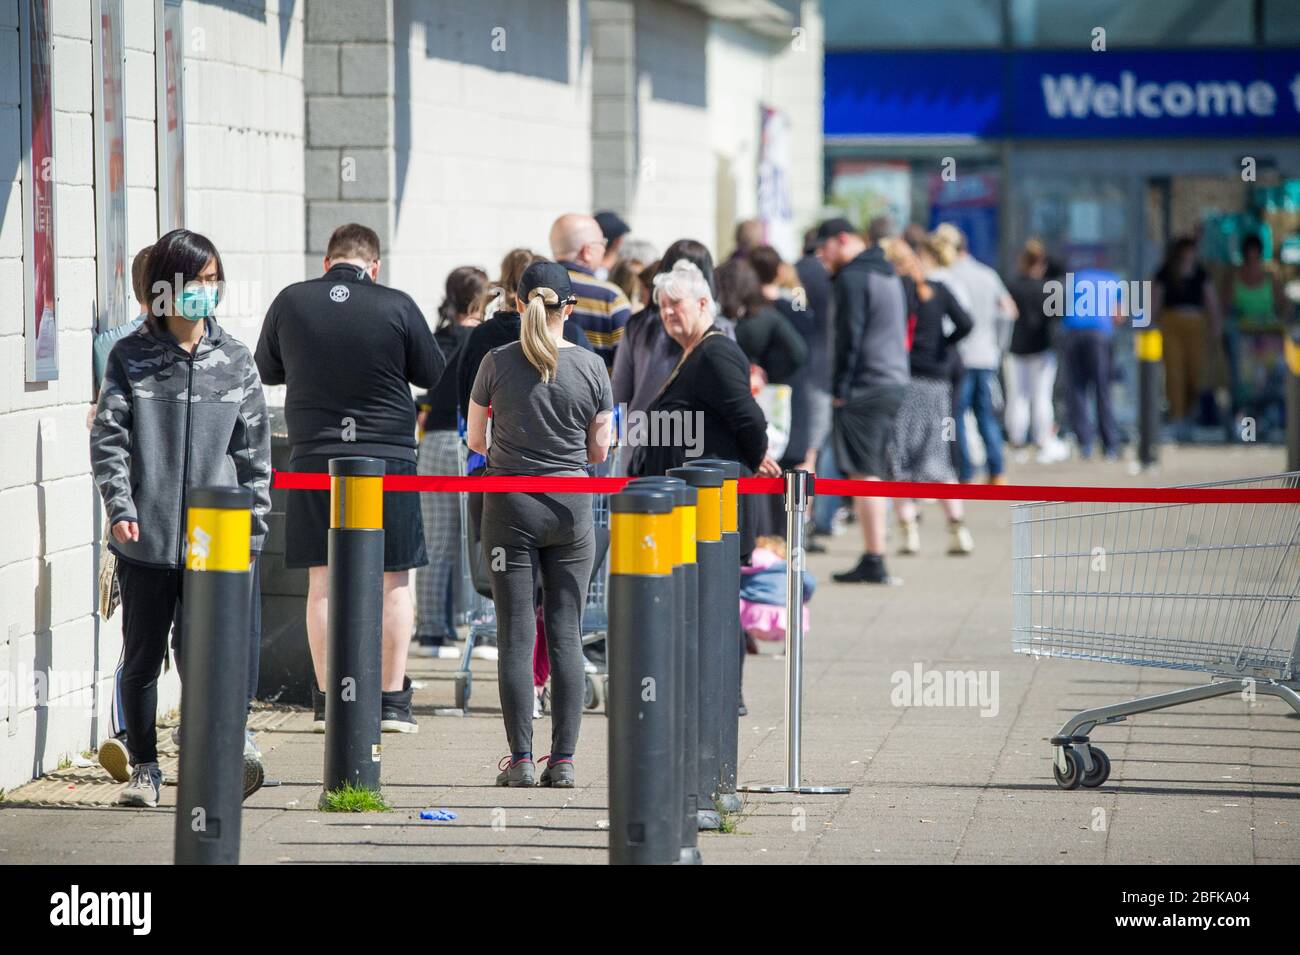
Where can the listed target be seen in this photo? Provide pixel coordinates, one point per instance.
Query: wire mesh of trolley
(479, 616)
(1206, 587)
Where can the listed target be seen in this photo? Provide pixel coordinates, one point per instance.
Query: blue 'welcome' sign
(1068, 95)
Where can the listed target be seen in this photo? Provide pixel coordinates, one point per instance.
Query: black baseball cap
(612, 225)
(833, 227)
(549, 275)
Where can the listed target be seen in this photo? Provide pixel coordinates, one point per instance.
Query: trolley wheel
(1073, 775)
(1100, 770)
(464, 686)
(594, 692)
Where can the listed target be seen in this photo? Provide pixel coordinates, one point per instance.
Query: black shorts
(862, 430)
(307, 520)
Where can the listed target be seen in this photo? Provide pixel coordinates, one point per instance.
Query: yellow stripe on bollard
(217, 538)
(357, 503)
(708, 514)
(687, 536)
(641, 543)
(1292, 353)
(1149, 345)
(730, 515)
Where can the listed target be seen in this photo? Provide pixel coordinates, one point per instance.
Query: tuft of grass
(65, 762)
(2, 795)
(730, 821)
(350, 798)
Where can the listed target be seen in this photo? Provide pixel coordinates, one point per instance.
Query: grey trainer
(558, 773)
(516, 774)
(144, 788)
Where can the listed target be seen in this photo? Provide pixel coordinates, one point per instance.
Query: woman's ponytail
(539, 347)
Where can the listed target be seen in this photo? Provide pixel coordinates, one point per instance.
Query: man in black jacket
(349, 349)
(869, 373)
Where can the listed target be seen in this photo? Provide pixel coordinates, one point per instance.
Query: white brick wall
(498, 141)
(244, 108)
(674, 191)
(244, 150)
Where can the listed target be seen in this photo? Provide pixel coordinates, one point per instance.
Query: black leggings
(151, 608)
(555, 531)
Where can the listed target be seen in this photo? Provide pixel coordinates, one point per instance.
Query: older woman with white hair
(706, 400)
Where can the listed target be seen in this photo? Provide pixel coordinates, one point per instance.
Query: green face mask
(197, 302)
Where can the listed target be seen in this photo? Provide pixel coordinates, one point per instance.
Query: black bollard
(214, 673)
(733, 641)
(644, 807)
(710, 589)
(1149, 346)
(354, 650)
(685, 583)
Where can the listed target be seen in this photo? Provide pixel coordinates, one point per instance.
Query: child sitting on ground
(763, 592)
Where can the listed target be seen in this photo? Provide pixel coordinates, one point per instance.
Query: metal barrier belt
(300, 481)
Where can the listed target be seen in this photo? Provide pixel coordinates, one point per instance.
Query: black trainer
(395, 716)
(317, 710)
(869, 570)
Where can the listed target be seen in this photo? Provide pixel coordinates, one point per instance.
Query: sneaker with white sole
(484, 650)
(115, 758)
(911, 533)
(960, 541)
(516, 774)
(395, 713)
(317, 710)
(144, 788)
(557, 774)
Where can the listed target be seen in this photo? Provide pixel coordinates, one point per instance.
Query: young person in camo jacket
(180, 406)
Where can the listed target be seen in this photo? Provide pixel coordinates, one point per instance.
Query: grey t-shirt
(541, 428)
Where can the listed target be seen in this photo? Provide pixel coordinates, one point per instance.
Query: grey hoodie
(168, 421)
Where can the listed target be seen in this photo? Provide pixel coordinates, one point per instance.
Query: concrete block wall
(796, 88)
(244, 148)
(492, 133)
(676, 169)
(244, 111)
(49, 636)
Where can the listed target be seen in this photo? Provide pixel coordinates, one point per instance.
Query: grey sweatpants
(557, 530)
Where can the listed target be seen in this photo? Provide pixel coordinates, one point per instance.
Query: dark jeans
(976, 393)
(1087, 359)
(151, 607)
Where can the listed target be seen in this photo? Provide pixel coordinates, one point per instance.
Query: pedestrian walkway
(1212, 782)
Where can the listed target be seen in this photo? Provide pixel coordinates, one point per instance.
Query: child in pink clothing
(763, 592)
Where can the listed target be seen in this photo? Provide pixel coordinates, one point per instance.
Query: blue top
(1090, 298)
(104, 342)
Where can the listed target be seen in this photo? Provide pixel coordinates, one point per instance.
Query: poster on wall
(169, 81)
(37, 118)
(970, 202)
(866, 190)
(111, 258)
(775, 208)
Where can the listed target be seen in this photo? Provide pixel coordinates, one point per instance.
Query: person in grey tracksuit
(180, 406)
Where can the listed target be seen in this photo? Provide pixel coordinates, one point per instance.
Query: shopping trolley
(479, 616)
(1207, 587)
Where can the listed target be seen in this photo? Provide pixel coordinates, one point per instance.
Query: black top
(349, 350)
(772, 342)
(501, 329)
(816, 330)
(1183, 291)
(713, 380)
(1032, 332)
(929, 356)
(441, 400)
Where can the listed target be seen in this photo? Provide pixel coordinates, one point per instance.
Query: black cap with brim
(549, 275)
(833, 227)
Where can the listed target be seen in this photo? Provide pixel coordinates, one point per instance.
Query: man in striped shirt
(602, 309)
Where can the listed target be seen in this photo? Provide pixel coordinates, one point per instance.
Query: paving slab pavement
(1214, 782)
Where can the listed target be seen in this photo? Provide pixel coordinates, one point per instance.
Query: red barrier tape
(298, 481)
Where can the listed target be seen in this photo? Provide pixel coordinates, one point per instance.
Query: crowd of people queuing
(865, 358)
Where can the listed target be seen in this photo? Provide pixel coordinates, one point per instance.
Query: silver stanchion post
(798, 491)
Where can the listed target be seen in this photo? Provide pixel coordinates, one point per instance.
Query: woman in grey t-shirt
(551, 407)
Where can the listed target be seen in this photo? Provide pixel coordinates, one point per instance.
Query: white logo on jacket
(339, 293)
